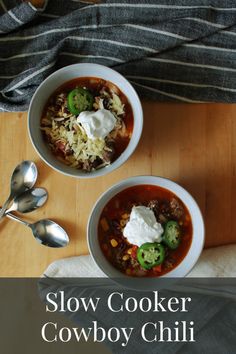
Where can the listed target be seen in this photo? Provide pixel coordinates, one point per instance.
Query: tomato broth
(166, 206)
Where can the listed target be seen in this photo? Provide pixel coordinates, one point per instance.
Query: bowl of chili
(85, 120)
(173, 254)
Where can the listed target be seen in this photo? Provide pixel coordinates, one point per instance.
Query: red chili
(134, 252)
(61, 146)
(157, 269)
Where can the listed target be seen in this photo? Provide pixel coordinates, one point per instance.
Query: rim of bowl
(126, 154)
(110, 271)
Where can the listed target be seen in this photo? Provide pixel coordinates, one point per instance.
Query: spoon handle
(13, 217)
(5, 205)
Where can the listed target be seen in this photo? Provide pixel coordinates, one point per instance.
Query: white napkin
(214, 262)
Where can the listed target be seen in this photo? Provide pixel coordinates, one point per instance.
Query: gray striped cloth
(169, 50)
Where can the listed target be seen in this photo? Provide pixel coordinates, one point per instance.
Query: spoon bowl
(50, 234)
(46, 232)
(24, 177)
(30, 200)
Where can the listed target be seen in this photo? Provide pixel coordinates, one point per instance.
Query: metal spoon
(24, 177)
(46, 232)
(29, 200)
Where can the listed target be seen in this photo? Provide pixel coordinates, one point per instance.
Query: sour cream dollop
(142, 226)
(97, 124)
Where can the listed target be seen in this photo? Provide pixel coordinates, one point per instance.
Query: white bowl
(57, 79)
(197, 221)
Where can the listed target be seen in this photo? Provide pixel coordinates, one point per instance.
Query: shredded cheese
(82, 147)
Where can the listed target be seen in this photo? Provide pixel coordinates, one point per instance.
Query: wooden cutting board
(195, 145)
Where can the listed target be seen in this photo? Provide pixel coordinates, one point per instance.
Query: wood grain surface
(195, 145)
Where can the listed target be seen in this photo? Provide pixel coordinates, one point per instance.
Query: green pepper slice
(172, 235)
(150, 254)
(79, 100)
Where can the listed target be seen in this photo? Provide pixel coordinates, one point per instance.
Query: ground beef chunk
(87, 166)
(165, 209)
(177, 210)
(134, 262)
(109, 152)
(154, 205)
(161, 218)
